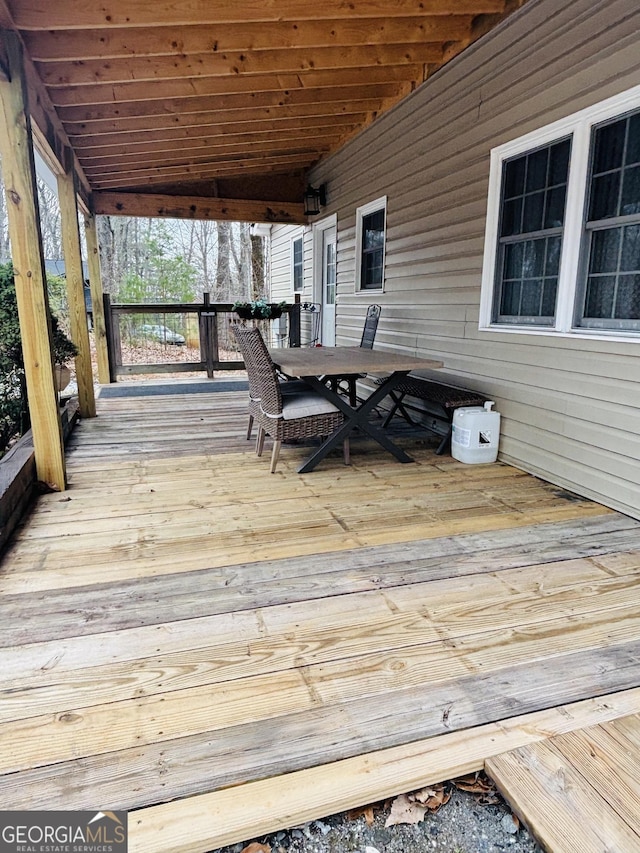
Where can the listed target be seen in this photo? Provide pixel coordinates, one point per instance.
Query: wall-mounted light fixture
(314, 199)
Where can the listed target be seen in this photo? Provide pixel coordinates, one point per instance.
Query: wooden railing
(207, 330)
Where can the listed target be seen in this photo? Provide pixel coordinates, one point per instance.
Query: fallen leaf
(255, 847)
(481, 786)
(432, 798)
(367, 812)
(404, 810)
(423, 795)
(475, 783)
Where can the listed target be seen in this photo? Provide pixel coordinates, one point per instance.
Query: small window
(534, 192)
(610, 296)
(370, 242)
(297, 264)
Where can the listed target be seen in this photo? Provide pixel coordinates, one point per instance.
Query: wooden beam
(97, 305)
(18, 171)
(212, 65)
(77, 14)
(75, 293)
(194, 207)
(120, 93)
(76, 45)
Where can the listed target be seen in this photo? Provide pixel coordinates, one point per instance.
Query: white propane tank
(476, 432)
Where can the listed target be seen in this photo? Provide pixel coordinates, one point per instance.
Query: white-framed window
(562, 242)
(371, 226)
(297, 263)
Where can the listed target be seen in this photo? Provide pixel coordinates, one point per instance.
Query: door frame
(318, 229)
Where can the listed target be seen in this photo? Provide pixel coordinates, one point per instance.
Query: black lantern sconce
(314, 199)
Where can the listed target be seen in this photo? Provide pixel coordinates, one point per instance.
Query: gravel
(463, 825)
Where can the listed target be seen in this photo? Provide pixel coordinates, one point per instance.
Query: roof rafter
(121, 43)
(78, 14)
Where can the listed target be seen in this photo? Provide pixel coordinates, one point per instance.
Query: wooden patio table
(315, 363)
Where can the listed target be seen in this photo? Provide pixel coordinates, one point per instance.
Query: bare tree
(50, 221)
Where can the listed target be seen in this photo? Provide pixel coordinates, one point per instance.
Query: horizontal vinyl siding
(571, 407)
(281, 279)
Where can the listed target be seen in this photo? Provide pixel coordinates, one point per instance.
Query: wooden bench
(444, 399)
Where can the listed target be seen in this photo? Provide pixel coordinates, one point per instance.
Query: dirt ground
(468, 821)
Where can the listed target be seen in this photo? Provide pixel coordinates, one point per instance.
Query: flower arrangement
(259, 309)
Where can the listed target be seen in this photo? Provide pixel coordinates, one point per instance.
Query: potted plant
(259, 309)
(63, 351)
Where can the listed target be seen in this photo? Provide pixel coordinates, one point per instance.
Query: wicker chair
(284, 416)
(287, 387)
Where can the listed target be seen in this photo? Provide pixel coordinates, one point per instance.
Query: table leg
(355, 418)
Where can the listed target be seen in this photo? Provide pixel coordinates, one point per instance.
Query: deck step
(258, 808)
(579, 790)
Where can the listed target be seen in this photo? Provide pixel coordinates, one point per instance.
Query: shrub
(14, 411)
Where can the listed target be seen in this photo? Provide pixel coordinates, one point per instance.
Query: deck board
(180, 620)
(578, 790)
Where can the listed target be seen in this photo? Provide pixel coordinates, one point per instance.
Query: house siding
(281, 275)
(571, 407)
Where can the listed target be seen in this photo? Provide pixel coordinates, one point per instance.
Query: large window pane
(611, 290)
(627, 306)
(609, 147)
(631, 191)
(605, 250)
(531, 223)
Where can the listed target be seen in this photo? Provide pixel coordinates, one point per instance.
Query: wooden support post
(75, 292)
(19, 175)
(97, 304)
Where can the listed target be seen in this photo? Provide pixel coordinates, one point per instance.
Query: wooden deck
(580, 790)
(224, 652)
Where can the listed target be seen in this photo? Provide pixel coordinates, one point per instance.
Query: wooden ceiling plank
(293, 125)
(168, 152)
(78, 14)
(301, 111)
(211, 65)
(210, 164)
(70, 115)
(74, 45)
(121, 93)
(178, 159)
(193, 175)
(151, 205)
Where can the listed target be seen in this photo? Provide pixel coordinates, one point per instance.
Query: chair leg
(250, 428)
(260, 441)
(346, 451)
(274, 455)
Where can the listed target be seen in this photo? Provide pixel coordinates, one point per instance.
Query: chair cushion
(304, 405)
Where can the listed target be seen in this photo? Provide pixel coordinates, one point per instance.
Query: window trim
(299, 235)
(365, 210)
(579, 126)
